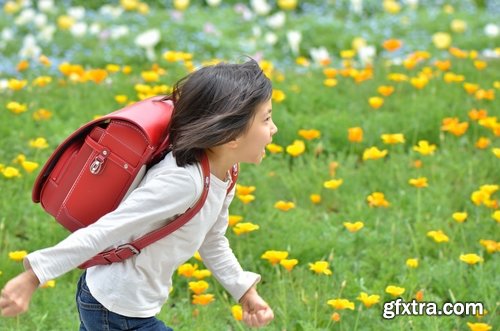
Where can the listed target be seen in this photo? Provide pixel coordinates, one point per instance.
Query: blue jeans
(94, 317)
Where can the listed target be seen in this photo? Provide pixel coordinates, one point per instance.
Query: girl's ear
(233, 143)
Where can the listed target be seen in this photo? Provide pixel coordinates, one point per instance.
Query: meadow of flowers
(382, 182)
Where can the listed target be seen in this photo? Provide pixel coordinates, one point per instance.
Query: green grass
(368, 260)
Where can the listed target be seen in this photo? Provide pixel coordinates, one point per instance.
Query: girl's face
(252, 145)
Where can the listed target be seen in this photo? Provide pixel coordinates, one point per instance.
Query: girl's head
(215, 105)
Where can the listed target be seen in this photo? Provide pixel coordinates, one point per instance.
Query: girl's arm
(220, 259)
(16, 295)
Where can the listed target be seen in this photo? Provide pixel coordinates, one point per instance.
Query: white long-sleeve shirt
(138, 287)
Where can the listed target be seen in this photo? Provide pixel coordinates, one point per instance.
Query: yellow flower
(368, 300)
(391, 6)
(470, 88)
(274, 257)
(17, 256)
(347, 53)
(458, 26)
(394, 138)
(480, 65)
(373, 153)
(42, 114)
(320, 267)
(418, 182)
(121, 98)
(397, 77)
(496, 151)
(284, 205)
(297, 148)
(287, 4)
(242, 228)
(333, 184)
(471, 258)
(443, 65)
(353, 227)
(441, 40)
(315, 198)
(246, 199)
(424, 148)
(459, 217)
(17, 107)
(39, 143)
(29, 166)
(278, 96)
(289, 264)
(355, 134)
(237, 312)
(150, 76)
(42, 81)
(438, 236)
(330, 82)
(412, 263)
(479, 326)
(496, 216)
(395, 291)
(49, 284)
(376, 102)
(10, 172)
(244, 190)
(203, 299)
(198, 287)
(309, 134)
(377, 199)
(65, 22)
(233, 219)
(16, 85)
(11, 7)
(200, 274)
(187, 269)
(274, 149)
(341, 304)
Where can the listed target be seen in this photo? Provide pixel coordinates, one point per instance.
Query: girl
(222, 110)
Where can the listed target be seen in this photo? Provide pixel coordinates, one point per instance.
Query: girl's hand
(16, 295)
(256, 312)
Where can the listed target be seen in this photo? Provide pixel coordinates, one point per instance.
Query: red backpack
(93, 170)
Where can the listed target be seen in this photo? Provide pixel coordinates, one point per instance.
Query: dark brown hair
(214, 105)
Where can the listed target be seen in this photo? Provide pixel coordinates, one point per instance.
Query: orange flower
(203, 299)
(376, 102)
(443, 65)
(452, 125)
(477, 114)
(289, 264)
(309, 134)
(377, 199)
(385, 90)
(355, 134)
(418, 182)
(392, 45)
(482, 143)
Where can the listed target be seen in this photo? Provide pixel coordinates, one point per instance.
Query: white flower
(79, 29)
(213, 3)
(357, 6)
(4, 84)
(40, 20)
(25, 17)
(277, 20)
(148, 40)
(46, 33)
(256, 31)
(95, 28)
(7, 34)
(271, 38)
(46, 6)
(119, 31)
(491, 30)
(109, 10)
(78, 13)
(294, 38)
(261, 7)
(367, 54)
(319, 54)
(412, 3)
(30, 49)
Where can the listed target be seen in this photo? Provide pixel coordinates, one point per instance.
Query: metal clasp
(96, 165)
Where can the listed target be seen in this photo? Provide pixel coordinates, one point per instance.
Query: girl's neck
(219, 165)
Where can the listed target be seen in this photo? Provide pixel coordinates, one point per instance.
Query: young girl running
(223, 111)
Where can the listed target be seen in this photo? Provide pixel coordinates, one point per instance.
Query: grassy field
(349, 199)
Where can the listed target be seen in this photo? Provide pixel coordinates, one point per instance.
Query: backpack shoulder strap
(126, 251)
(234, 177)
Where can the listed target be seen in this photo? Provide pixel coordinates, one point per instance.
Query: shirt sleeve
(220, 259)
(156, 200)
